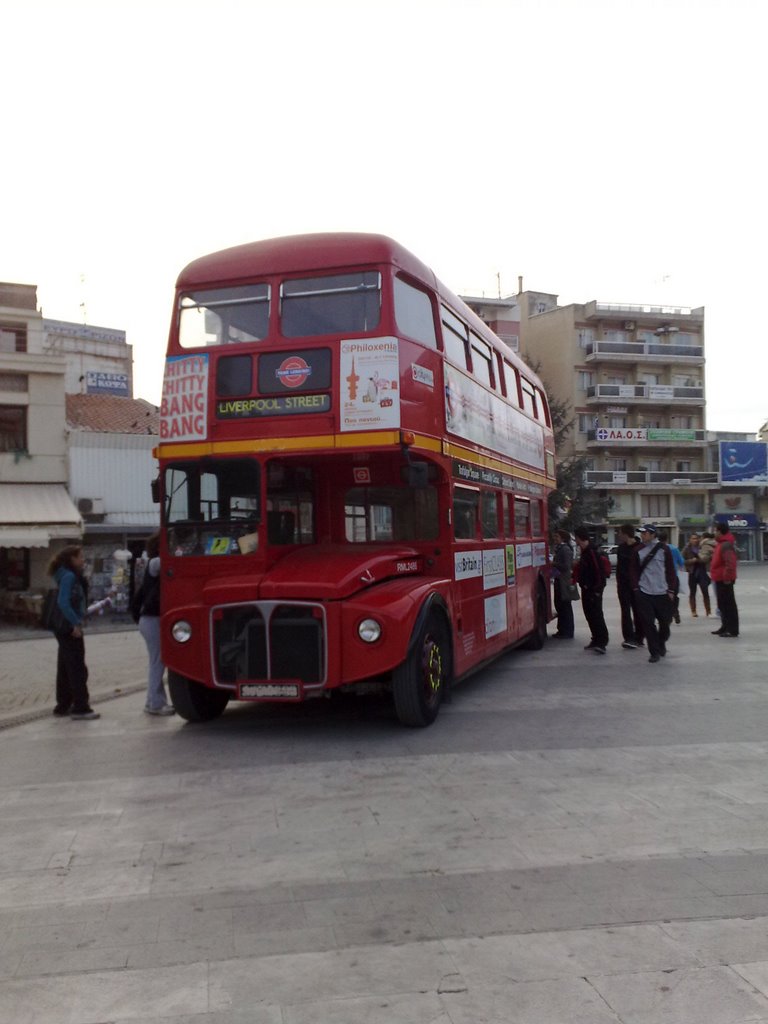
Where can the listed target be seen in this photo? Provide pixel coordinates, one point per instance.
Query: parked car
(612, 550)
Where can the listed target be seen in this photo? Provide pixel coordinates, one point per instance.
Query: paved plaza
(577, 840)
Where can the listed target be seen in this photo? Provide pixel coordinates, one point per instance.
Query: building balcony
(651, 394)
(632, 478)
(652, 437)
(632, 351)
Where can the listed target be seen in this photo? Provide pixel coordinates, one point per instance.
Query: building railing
(630, 477)
(643, 349)
(651, 392)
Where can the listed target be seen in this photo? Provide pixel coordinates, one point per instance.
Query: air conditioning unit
(91, 506)
(629, 325)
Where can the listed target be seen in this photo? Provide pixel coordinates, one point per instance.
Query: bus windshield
(330, 305)
(212, 507)
(224, 316)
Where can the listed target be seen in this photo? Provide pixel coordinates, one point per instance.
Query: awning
(23, 537)
(32, 514)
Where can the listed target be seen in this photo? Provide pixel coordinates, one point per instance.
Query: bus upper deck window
(413, 312)
(224, 316)
(330, 305)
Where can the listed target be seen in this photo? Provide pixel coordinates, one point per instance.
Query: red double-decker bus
(353, 476)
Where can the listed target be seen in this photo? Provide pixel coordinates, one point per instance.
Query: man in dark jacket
(631, 623)
(655, 581)
(589, 574)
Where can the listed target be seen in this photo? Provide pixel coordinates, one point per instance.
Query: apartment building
(634, 378)
(36, 513)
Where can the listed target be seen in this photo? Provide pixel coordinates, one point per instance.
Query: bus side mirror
(155, 486)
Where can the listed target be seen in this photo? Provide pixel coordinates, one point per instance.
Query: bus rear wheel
(193, 701)
(419, 683)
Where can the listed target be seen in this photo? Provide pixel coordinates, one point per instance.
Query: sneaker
(654, 658)
(82, 716)
(61, 712)
(598, 650)
(165, 709)
(629, 645)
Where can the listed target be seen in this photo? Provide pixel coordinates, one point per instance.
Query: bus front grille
(269, 641)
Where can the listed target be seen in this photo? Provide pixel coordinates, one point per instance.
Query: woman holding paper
(72, 697)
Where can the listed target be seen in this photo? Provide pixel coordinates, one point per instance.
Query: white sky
(604, 150)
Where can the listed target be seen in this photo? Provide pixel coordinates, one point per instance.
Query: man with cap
(655, 582)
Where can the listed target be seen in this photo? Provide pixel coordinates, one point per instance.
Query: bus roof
(298, 254)
(295, 254)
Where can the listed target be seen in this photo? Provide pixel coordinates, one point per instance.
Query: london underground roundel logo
(293, 372)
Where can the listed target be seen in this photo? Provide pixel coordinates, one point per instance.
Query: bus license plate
(273, 691)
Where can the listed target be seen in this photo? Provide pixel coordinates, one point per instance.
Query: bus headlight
(369, 631)
(181, 631)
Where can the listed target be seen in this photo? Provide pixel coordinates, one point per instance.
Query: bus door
(524, 589)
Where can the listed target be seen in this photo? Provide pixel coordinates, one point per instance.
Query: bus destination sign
(275, 405)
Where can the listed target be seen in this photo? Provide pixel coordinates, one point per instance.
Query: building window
(617, 465)
(13, 337)
(14, 568)
(13, 428)
(18, 382)
(683, 467)
(617, 422)
(618, 336)
(654, 506)
(586, 420)
(586, 380)
(586, 336)
(683, 422)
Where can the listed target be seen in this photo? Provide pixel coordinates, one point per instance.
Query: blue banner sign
(744, 462)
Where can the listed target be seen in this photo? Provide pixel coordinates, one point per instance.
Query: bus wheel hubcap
(433, 667)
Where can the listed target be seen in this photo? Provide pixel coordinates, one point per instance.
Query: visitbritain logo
(293, 372)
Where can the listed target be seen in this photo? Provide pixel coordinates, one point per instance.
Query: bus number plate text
(275, 691)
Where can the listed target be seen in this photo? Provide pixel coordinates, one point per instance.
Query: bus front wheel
(193, 701)
(419, 683)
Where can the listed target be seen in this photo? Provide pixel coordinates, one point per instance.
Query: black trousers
(655, 607)
(631, 623)
(726, 602)
(564, 610)
(71, 675)
(592, 603)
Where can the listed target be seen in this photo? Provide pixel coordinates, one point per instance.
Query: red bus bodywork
(344, 503)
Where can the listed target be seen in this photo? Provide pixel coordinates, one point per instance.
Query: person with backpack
(145, 609)
(724, 571)
(590, 573)
(655, 581)
(72, 697)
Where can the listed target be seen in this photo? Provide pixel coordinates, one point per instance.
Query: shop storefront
(745, 527)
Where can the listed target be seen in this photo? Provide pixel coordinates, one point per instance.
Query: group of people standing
(647, 584)
(67, 569)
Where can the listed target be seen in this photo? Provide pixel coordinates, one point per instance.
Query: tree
(573, 502)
